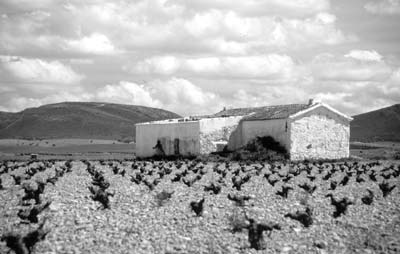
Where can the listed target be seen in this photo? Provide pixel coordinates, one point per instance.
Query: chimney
(313, 101)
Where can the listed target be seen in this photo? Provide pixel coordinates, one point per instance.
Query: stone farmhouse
(307, 131)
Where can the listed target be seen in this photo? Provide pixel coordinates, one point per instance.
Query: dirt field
(96, 149)
(376, 150)
(140, 219)
(66, 149)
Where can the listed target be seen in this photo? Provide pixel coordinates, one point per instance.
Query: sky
(197, 56)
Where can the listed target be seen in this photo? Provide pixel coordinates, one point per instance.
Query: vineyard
(199, 206)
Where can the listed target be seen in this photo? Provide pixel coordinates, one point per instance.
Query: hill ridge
(92, 120)
(377, 125)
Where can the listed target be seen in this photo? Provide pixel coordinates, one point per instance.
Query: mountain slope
(90, 120)
(379, 125)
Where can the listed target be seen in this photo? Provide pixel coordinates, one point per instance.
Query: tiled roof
(264, 113)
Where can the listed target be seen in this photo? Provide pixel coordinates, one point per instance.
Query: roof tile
(264, 113)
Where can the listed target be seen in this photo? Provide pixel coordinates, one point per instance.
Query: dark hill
(379, 125)
(88, 120)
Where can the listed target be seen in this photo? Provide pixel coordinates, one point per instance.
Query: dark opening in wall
(159, 149)
(176, 146)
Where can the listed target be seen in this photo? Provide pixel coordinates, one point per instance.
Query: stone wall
(213, 130)
(319, 134)
(275, 128)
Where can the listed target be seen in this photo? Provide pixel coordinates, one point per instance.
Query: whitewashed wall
(319, 134)
(147, 135)
(216, 129)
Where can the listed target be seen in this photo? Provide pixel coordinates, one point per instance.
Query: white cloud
(37, 70)
(264, 47)
(357, 82)
(389, 7)
(26, 5)
(230, 33)
(355, 66)
(165, 65)
(392, 87)
(81, 61)
(180, 95)
(260, 8)
(175, 94)
(365, 55)
(320, 29)
(16, 102)
(126, 93)
(95, 43)
(219, 27)
(272, 66)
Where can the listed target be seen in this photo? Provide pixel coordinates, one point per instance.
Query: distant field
(74, 148)
(56, 142)
(112, 149)
(376, 150)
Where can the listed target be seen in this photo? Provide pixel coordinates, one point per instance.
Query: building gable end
(303, 112)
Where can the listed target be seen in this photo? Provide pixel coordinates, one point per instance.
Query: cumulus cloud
(38, 70)
(181, 95)
(223, 27)
(364, 55)
(175, 94)
(355, 66)
(165, 65)
(389, 7)
(270, 50)
(127, 93)
(260, 8)
(95, 43)
(320, 29)
(272, 66)
(27, 31)
(356, 82)
(267, 95)
(228, 32)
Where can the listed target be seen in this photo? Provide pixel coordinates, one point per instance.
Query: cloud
(24, 5)
(384, 7)
(356, 82)
(260, 8)
(181, 95)
(355, 66)
(196, 55)
(175, 94)
(81, 61)
(317, 30)
(218, 27)
(230, 33)
(272, 66)
(126, 93)
(27, 31)
(40, 71)
(165, 65)
(267, 95)
(95, 43)
(364, 55)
